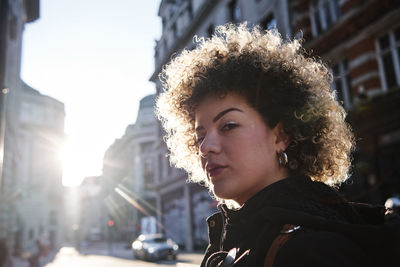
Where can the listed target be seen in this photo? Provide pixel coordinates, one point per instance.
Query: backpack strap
(284, 235)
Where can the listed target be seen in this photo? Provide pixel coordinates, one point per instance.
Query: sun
(76, 163)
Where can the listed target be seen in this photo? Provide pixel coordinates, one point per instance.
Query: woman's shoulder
(320, 248)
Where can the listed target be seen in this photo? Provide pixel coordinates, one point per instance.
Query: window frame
(341, 76)
(317, 9)
(235, 11)
(394, 52)
(266, 22)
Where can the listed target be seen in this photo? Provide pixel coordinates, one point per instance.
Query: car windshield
(157, 240)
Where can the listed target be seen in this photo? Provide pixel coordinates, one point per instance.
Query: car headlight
(137, 245)
(175, 247)
(151, 250)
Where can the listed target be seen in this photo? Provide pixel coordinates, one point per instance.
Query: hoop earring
(282, 158)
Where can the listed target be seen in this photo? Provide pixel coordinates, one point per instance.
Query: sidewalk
(120, 250)
(189, 259)
(20, 262)
(115, 249)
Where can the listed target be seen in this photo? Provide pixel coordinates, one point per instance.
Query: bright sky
(96, 57)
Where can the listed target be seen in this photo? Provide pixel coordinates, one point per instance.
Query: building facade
(93, 217)
(39, 169)
(359, 41)
(32, 170)
(13, 16)
(31, 131)
(128, 173)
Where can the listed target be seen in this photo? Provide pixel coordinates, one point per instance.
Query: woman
(254, 120)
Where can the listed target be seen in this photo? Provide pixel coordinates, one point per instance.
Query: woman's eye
(228, 126)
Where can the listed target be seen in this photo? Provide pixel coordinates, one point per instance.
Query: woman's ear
(282, 139)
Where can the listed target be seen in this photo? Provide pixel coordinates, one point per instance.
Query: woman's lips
(214, 171)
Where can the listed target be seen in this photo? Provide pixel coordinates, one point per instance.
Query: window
(342, 83)
(190, 9)
(174, 30)
(210, 30)
(388, 47)
(164, 22)
(269, 22)
(165, 45)
(161, 159)
(146, 148)
(234, 11)
(172, 8)
(31, 234)
(13, 26)
(53, 218)
(148, 172)
(323, 14)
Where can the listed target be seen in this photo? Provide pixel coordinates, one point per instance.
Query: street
(118, 256)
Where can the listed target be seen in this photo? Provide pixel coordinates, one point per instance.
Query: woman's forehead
(213, 103)
(212, 108)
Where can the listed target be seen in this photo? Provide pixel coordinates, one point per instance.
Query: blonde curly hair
(276, 79)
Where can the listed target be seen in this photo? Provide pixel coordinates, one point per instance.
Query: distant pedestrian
(37, 252)
(256, 121)
(5, 257)
(393, 203)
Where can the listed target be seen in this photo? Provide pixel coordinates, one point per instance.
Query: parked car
(154, 247)
(95, 234)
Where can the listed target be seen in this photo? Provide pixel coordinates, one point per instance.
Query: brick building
(358, 39)
(128, 175)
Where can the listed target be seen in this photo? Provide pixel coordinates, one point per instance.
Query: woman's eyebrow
(219, 115)
(222, 113)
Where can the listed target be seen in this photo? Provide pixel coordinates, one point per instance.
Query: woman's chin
(222, 193)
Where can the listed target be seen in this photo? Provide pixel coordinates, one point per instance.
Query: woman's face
(237, 149)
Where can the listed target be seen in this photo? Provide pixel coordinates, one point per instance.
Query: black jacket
(333, 232)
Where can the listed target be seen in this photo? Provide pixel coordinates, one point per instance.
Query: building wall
(32, 170)
(361, 45)
(128, 173)
(12, 23)
(38, 173)
(14, 14)
(352, 36)
(93, 222)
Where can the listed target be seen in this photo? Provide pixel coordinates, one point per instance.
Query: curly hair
(277, 79)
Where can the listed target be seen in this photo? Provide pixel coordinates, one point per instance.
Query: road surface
(69, 256)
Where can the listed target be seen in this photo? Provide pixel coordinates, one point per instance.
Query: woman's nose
(210, 144)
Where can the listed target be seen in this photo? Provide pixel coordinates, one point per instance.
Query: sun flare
(76, 163)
